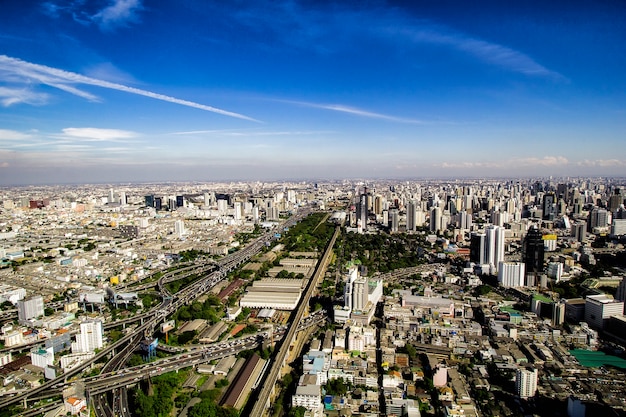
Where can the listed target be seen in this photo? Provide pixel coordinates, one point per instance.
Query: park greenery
(381, 252)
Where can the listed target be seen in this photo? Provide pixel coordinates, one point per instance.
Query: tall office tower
(171, 204)
(359, 294)
(179, 228)
(222, 206)
(255, 214)
(362, 211)
(478, 248)
(579, 231)
(435, 219)
(158, 203)
(395, 219)
(238, 211)
(598, 217)
(495, 245)
(29, 308)
(180, 201)
(511, 274)
(122, 198)
(510, 206)
(111, 198)
(526, 382)
(464, 220)
(562, 192)
(209, 199)
(615, 200)
(533, 255)
(149, 199)
(89, 338)
(378, 205)
(291, 196)
(411, 212)
(353, 275)
(549, 206)
(420, 217)
(577, 206)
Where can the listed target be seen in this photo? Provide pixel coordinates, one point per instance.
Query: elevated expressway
(123, 348)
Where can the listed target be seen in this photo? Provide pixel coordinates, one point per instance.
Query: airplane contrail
(60, 79)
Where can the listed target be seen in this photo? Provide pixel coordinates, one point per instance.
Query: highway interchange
(109, 397)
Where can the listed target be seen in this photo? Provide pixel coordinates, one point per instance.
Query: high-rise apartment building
(359, 294)
(511, 274)
(89, 338)
(29, 308)
(526, 382)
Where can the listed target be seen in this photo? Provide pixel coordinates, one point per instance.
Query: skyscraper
(359, 294)
(511, 274)
(411, 212)
(435, 219)
(495, 245)
(478, 251)
(549, 206)
(533, 255)
(526, 382)
(395, 219)
(362, 211)
(89, 338)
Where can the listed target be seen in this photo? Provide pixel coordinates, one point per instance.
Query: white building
(495, 245)
(598, 309)
(526, 382)
(307, 396)
(29, 308)
(511, 274)
(11, 293)
(42, 357)
(179, 228)
(89, 338)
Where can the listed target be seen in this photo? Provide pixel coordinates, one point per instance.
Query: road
(268, 383)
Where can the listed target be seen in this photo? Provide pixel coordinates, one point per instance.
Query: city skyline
(124, 90)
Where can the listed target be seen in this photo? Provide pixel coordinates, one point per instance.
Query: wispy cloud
(252, 133)
(13, 68)
(602, 163)
(10, 96)
(6, 134)
(546, 161)
(490, 52)
(97, 134)
(118, 13)
(355, 111)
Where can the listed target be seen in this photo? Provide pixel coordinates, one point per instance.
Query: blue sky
(130, 90)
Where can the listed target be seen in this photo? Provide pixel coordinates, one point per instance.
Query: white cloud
(12, 68)
(97, 134)
(12, 135)
(118, 13)
(10, 96)
(602, 163)
(546, 161)
(355, 111)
